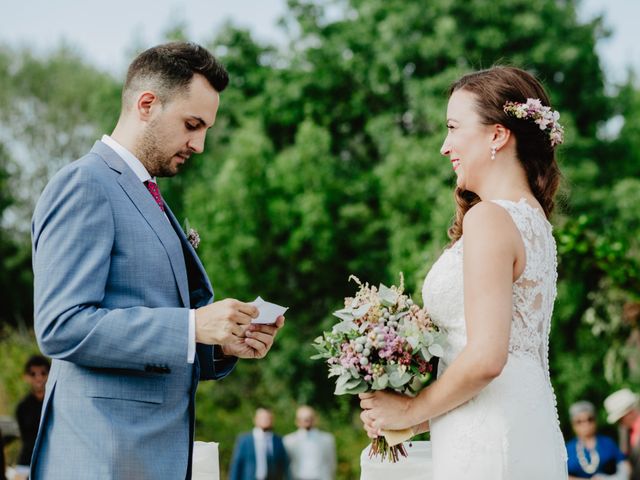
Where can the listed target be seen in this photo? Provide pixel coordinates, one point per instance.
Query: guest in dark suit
(260, 454)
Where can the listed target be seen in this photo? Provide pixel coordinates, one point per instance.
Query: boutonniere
(192, 235)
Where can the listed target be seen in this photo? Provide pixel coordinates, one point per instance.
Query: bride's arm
(491, 246)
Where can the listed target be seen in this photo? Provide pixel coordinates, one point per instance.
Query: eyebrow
(199, 120)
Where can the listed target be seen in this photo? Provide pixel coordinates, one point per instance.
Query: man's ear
(501, 136)
(147, 103)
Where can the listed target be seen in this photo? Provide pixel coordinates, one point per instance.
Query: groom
(122, 302)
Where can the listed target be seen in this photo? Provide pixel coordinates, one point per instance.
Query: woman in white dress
(492, 411)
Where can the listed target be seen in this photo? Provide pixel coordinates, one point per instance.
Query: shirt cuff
(191, 348)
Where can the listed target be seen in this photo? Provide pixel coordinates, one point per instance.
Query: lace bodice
(534, 291)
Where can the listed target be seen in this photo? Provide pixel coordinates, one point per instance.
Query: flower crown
(545, 117)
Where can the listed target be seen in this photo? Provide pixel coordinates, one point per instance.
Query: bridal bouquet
(383, 341)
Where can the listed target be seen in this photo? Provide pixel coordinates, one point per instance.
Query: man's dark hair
(168, 69)
(36, 361)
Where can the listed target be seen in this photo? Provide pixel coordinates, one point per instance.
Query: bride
(492, 411)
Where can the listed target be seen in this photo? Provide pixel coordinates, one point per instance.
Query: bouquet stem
(381, 448)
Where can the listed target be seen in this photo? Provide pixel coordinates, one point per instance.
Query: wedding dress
(510, 430)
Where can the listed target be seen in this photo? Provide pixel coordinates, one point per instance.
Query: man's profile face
(178, 128)
(628, 419)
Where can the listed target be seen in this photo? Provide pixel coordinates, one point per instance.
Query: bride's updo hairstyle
(493, 88)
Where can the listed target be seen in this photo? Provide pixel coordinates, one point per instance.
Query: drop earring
(493, 153)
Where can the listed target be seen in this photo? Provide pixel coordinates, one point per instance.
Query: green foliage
(15, 258)
(16, 347)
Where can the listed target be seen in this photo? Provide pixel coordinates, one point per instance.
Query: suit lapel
(190, 252)
(147, 206)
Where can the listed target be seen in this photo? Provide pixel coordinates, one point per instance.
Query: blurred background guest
(36, 372)
(260, 454)
(622, 408)
(591, 455)
(312, 453)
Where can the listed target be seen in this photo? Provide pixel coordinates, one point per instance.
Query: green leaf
(398, 379)
(436, 350)
(361, 387)
(345, 327)
(387, 296)
(417, 384)
(381, 382)
(344, 314)
(413, 341)
(425, 354)
(360, 311)
(346, 384)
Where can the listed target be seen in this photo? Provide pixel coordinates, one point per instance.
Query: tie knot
(155, 193)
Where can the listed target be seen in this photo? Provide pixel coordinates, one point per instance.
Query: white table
(205, 461)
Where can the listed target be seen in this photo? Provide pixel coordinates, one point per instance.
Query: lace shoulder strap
(535, 231)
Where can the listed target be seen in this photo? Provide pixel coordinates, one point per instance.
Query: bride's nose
(445, 149)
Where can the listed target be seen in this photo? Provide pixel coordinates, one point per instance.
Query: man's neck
(125, 135)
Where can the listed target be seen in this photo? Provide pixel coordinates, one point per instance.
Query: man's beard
(151, 155)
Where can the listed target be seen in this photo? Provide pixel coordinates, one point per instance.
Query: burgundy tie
(155, 193)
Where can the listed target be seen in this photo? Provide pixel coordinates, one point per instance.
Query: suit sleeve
(237, 460)
(213, 363)
(73, 236)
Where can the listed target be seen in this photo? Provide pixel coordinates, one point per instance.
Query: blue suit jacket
(114, 280)
(243, 463)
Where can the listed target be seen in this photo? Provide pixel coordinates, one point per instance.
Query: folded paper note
(269, 312)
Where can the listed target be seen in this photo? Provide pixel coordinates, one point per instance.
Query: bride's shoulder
(488, 220)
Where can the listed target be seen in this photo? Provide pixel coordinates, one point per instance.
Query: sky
(105, 32)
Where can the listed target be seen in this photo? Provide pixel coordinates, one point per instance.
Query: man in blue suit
(260, 454)
(122, 302)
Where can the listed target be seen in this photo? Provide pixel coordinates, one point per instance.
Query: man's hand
(224, 322)
(257, 341)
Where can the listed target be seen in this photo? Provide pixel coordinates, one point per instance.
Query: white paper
(269, 312)
(205, 461)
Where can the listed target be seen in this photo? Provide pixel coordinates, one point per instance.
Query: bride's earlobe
(501, 136)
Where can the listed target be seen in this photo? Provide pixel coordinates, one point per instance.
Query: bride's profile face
(468, 141)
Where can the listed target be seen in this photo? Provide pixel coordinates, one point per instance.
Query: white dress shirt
(141, 172)
(263, 444)
(312, 454)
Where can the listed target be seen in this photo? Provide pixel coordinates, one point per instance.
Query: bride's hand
(386, 410)
(372, 432)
